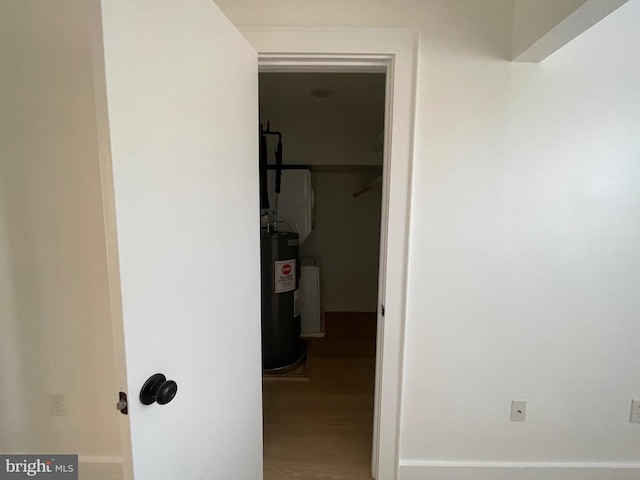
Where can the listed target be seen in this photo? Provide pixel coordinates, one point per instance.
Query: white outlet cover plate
(518, 410)
(57, 405)
(635, 411)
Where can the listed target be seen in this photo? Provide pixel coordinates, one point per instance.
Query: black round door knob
(158, 389)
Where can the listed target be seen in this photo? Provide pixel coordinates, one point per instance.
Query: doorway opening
(392, 51)
(318, 418)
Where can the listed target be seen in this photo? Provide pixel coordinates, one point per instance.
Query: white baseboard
(99, 467)
(431, 470)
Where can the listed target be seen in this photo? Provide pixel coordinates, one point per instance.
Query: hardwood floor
(321, 429)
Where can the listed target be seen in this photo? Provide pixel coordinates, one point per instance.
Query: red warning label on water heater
(285, 275)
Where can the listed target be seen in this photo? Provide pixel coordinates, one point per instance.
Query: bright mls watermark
(49, 467)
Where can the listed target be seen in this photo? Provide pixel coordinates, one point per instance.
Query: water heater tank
(280, 270)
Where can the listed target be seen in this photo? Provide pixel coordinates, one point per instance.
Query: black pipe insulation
(264, 193)
(278, 166)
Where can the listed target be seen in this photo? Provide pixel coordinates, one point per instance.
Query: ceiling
(340, 128)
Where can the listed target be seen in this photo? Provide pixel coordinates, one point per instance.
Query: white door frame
(383, 50)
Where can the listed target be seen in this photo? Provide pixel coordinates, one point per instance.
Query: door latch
(122, 404)
(382, 309)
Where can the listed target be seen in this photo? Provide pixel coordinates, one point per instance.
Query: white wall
(337, 134)
(524, 263)
(526, 279)
(55, 330)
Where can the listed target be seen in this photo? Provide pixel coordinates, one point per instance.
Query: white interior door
(181, 89)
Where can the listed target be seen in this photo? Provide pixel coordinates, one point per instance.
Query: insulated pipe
(278, 182)
(278, 166)
(264, 194)
(274, 224)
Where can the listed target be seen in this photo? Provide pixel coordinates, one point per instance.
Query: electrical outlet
(57, 405)
(518, 410)
(635, 411)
